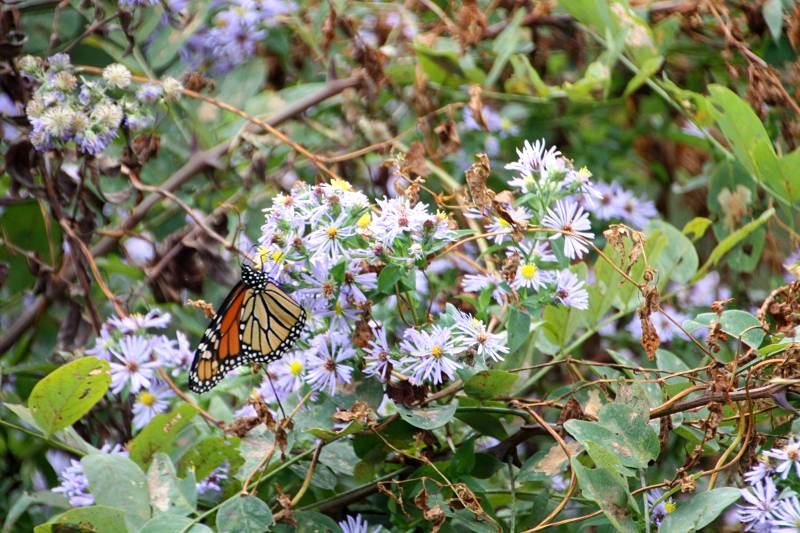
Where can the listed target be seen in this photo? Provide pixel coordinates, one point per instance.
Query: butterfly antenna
(275, 392)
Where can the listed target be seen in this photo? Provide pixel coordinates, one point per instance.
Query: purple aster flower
(786, 516)
(570, 290)
(569, 216)
(176, 354)
(530, 276)
(149, 92)
(136, 321)
(429, 355)
(761, 499)
(480, 282)
(397, 217)
(213, 483)
(324, 362)
(140, 251)
(151, 402)
(580, 180)
(758, 472)
(490, 346)
(59, 61)
(356, 281)
(532, 159)
(328, 240)
(73, 482)
(379, 354)
(659, 511)
(357, 524)
(638, 211)
(611, 203)
(133, 365)
(501, 226)
(103, 344)
(792, 266)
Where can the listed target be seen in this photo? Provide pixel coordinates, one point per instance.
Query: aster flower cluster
(771, 501)
(67, 109)
(553, 197)
(136, 351)
(234, 32)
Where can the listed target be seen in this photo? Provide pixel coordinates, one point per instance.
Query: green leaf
(489, 384)
(316, 523)
(166, 494)
(773, 16)
(610, 491)
(25, 500)
(678, 261)
(666, 360)
(101, 519)
(254, 448)
(169, 40)
(431, 417)
(172, 523)
(160, 433)
(210, 453)
(506, 44)
(484, 423)
(724, 246)
(244, 514)
(621, 436)
(519, 326)
(68, 393)
(734, 322)
(389, 277)
(699, 511)
(339, 457)
(116, 481)
(696, 228)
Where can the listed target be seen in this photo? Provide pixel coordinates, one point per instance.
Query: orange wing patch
(229, 343)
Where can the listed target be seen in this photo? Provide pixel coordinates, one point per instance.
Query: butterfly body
(256, 323)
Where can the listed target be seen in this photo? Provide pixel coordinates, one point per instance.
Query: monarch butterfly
(256, 323)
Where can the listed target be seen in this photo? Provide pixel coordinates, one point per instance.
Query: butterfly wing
(220, 349)
(271, 323)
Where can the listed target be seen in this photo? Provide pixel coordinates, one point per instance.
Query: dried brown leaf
(475, 106)
(476, 176)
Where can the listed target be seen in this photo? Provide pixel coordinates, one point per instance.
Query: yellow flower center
(584, 173)
(529, 270)
(364, 221)
(331, 231)
(338, 309)
(295, 367)
(147, 398)
(503, 222)
(669, 506)
(436, 351)
(342, 185)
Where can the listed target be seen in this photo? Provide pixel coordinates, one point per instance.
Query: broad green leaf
(519, 325)
(388, 278)
(339, 457)
(678, 261)
(610, 491)
(696, 228)
(101, 518)
(254, 448)
(724, 246)
(25, 500)
(666, 360)
(316, 522)
(164, 487)
(241, 83)
(170, 39)
(244, 514)
(735, 322)
(431, 417)
(116, 481)
(621, 434)
(210, 453)
(506, 44)
(699, 511)
(484, 423)
(68, 393)
(160, 433)
(172, 523)
(489, 384)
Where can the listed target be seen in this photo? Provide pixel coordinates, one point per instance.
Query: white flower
(133, 364)
(569, 216)
(787, 457)
(117, 75)
(531, 276)
(429, 355)
(149, 403)
(327, 240)
(379, 358)
(172, 88)
(786, 516)
(570, 290)
(397, 216)
(490, 346)
(533, 158)
(136, 321)
(324, 359)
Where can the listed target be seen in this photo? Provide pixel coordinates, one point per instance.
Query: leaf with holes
(68, 393)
